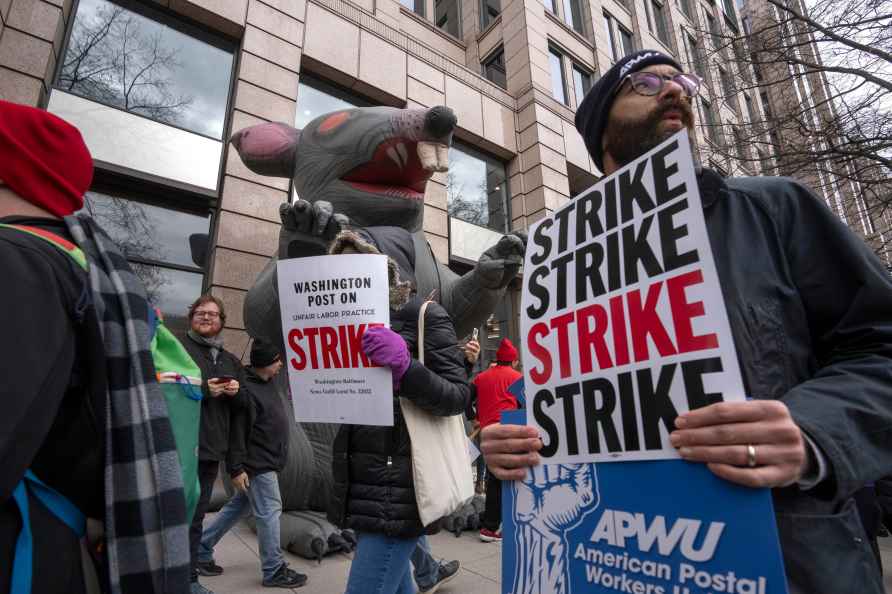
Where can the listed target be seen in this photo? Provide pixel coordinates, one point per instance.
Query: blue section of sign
(516, 390)
(658, 527)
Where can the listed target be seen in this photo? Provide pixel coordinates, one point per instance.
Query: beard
(626, 140)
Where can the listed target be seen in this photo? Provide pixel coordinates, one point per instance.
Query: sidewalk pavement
(481, 565)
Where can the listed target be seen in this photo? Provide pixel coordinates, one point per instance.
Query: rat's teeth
(427, 154)
(442, 157)
(394, 157)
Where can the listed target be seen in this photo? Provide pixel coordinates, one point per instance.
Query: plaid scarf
(146, 529)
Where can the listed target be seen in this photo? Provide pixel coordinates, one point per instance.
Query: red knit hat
(506, 351)
(43, 159)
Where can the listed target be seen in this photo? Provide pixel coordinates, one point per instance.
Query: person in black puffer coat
(374, 492)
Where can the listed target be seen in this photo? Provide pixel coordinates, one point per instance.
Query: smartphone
(223, 379)
(475, 333)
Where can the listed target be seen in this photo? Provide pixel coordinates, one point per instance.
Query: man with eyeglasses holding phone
(810, 308)
(222, 377)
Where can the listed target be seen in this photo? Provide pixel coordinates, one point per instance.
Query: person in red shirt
(492, 398)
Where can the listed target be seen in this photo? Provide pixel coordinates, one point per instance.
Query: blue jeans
(427, 569)
(381, 565)
(264, 500)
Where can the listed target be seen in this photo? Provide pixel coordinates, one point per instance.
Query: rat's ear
(268, 149)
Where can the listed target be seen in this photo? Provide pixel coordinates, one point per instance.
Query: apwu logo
(628, 65)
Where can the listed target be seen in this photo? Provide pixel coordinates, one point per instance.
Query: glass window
(137, 62)
(625, 38)
(709, 121)
(714, 31)
(740, 148)
(766, 105)
(573, 15)
(549, 4)
(696, 56)
(558, 85)
(582, 82)
(614, 47)
(476, 188)
(686, 8)
(659, 15)
(315, 97)
(416, 6)
(750, 109)
(727, 85)
(489, 10)
(447, 13)
(730, 15)
(494, 69)
(166, 248)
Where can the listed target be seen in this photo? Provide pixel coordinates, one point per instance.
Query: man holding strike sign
(810, 312)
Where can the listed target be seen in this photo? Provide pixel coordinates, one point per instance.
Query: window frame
(661, 24)
(177, 22)
(492, 61)
(553, 52)
(710, 122)
(486, 19)
(480, 154)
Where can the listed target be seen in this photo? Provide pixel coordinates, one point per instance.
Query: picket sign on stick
(622, 317)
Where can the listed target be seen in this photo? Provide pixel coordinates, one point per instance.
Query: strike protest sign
(327, 302)
(622, 316)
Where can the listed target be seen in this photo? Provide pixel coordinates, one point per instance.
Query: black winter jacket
(216, 413)
(52, 390)
(810, 308)
(372, 466)
(260, 430)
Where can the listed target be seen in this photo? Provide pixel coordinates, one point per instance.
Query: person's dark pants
(492, 513)
(207, 474)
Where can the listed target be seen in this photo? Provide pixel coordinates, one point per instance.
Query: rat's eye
(333, 121)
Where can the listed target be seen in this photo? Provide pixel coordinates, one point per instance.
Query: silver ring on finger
(751, 455)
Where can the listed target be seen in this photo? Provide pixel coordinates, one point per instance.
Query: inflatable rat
(369, 167)
(364, 167)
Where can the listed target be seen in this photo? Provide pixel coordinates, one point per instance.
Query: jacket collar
(712, 186)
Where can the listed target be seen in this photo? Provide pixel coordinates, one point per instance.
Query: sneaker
(196, 588)
(445, 572)
(286, 578)
(487, 535)
(208, 569)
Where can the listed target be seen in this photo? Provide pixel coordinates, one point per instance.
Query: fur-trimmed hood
(352, 242)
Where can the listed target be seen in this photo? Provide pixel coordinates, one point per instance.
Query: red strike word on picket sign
(586, 329)
(329, 347)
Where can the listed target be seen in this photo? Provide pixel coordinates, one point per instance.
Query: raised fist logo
(551, 500)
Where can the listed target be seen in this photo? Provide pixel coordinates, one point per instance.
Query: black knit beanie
(591, 115)
(263, 354)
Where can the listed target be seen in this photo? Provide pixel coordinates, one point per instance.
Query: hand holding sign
(510, 449)
(720, 433)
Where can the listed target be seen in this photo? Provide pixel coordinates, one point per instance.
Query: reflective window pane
(171, 291)
(494, 69)
(558, 88)
(416, 6)
(549, 4)
(489, 10)
(315, 98)
(625, 37)
(127, 60)
(146, 231)
(573, 15)
(476, 188)
(447, 16)
(582, 82)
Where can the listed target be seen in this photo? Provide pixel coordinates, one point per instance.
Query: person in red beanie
(82, 435)
(492, 398)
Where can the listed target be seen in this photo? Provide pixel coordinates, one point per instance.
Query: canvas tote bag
(441, 466)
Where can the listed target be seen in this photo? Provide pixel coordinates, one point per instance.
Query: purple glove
(386, 348)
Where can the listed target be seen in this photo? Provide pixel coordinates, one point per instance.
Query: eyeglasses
(650, 84)
(206, 314)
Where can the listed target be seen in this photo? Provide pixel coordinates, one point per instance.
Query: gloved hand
(386, 348)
